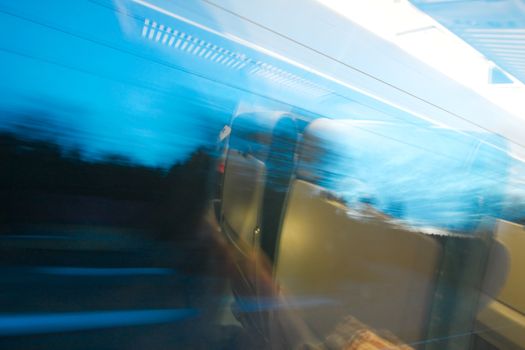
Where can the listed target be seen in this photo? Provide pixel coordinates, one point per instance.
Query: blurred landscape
(104, 252)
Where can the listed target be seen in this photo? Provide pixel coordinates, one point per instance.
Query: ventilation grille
(236, 61)
(505, 46)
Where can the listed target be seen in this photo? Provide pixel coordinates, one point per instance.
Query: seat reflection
(332, 264)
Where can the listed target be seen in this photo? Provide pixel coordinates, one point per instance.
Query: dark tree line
(42, 183)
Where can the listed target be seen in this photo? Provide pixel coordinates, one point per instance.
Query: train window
(237, 174)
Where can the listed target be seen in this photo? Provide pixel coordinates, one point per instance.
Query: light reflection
(426, 177)
(15, 325)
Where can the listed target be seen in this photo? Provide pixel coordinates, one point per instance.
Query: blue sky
(73, 62)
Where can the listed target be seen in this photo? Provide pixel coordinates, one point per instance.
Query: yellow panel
(502, 326)
(512, 237)
(242, 194)
(336, 266)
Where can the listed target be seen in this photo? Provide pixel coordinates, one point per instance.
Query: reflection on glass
(180, 176)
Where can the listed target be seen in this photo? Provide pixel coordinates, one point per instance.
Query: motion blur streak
(68, 322)
(101, 272)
